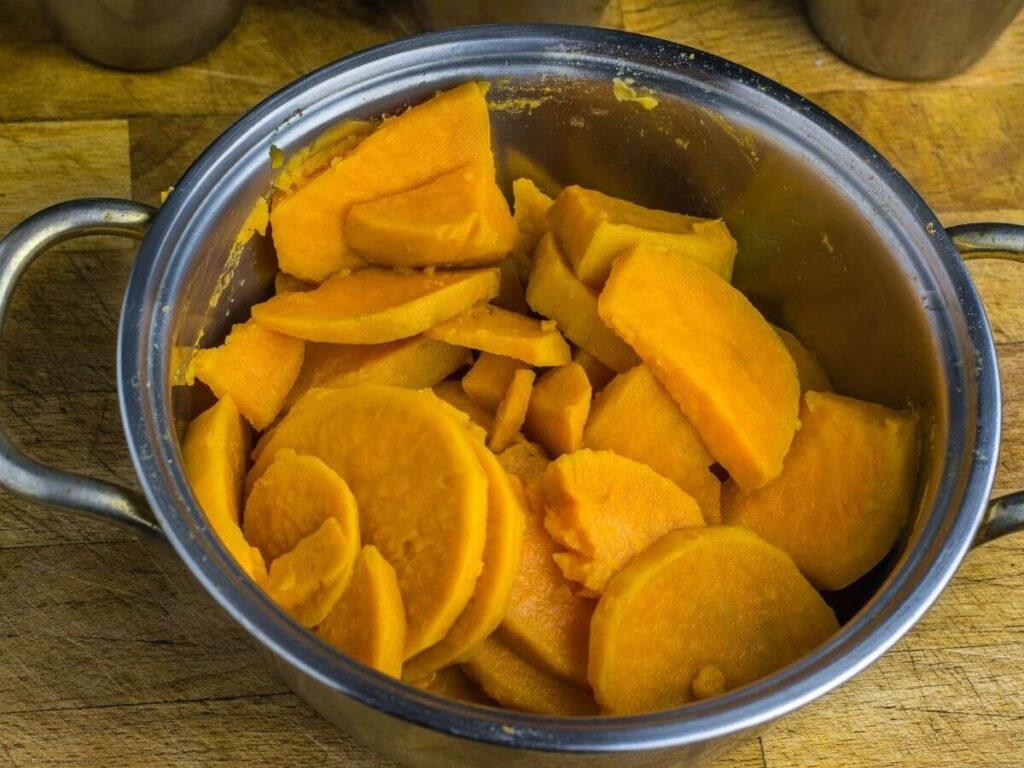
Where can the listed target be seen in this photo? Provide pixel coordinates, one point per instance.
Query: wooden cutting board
(111, 654)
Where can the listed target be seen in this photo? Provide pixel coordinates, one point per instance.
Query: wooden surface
(110, 653)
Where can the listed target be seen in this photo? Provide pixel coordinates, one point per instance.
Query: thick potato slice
(531, 206)
(597, 372)
(525, 460)
(635, 417)
(845, 491)
(594, 229)
(453, 394)
(421, 492)
(405, 152)
(256, 367)
(368, 621)
(500, 332)
(460, 217)
(502, 554)
(555, 292)
(714, 353)
(809, 370)
(413, 363)
(703, 610)
(373, 306)
(513, 682)
(453, 683)
(558, 409)
(291, 501)
(511, 412)
(487, 381)
(606, 509)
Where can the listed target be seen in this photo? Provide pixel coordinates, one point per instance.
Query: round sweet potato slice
(453, 683)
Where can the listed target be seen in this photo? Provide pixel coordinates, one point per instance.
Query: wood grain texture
(111, 654)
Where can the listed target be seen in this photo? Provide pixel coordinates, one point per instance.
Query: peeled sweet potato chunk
(809, 370)
(555, 292)
(460, 217)
(844, 493)
(635, 417)
(368, 621)
(496, 330)
(404, 152)
(594, 229)
(373, 306)
(558, 409)
(485, 383)
(255, 366)
(714, 353)
(703, 610)
(421, 492)
(531, 206)
(511, 412)
(453, 683)
(526, 460)
(606, 509)
(515, 683)
(597, 372)
(453, 394)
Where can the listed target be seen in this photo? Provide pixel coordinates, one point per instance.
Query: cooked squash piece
(308, 162)
(511, 295)
(714, 353)
(594, 229)
(809, 371)
(460, 217)
(547, 622)
(453, 394)
(606, 509)
(496, 330)
(453, 683)
(285, 283)
(485, 383)
(421, 492)
(555, 292)
(291, 501)
(413, 363)
(558, 409)
(255, 366)
(702, 603)
(502, 553)
(433, 138)
(373, 306)
(511, 413)
(525, 460)
(368, 621)
(515, 683)
(845, 491)
(531, 207)
(597, 372)
(635, 417)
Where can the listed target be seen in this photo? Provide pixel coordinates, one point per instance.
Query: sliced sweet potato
(845, 491)
(459, 218)
(594, 229)
(255, 366)
(714, 353)
(635, 417)
(558, 409)
(373, 306)
(440, 135)
(809, 370)
(525, 460)
(285, 283)
(485, 383)
(453, 394)
(421, 492)
(511, 412)
(555, 292)
(453, 683)
(511, 295)
(531, 207)
(368, 621)
(496, 330)
(702, 603)
(597, 372)
(606, 509)
(515, 683)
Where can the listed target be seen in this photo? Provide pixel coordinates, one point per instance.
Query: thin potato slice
(453, 683)
(531, 206)
(511, 413)
(496, 330)
(453, 394)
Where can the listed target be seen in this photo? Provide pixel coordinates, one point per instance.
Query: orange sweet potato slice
(597, 372)
(291, 501)
(511, 412)
(845, 491)
(700, 605)
(285, 283)
(453, 394)
(368, 621)
(606, 509)
(714, 353)
(531, 206)
(255, 366)
(373, 306)
(555, 292)
(486, 382)
(525, 460)
(496, 330)
(460, 217)
(635, 417)
(594, 229)
(558, 409)
(502, 554)
(453, 683)
(515, 683)
(421, 492)
(809, 370)
(405, 152)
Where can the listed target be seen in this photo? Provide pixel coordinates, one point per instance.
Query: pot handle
(994, 241)
(20, 474)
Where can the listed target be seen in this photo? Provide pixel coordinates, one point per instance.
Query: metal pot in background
(911, 39)
(439, 14)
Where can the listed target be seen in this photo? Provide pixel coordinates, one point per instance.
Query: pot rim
(924, 571)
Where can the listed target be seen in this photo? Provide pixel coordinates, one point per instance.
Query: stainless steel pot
(833, 244)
